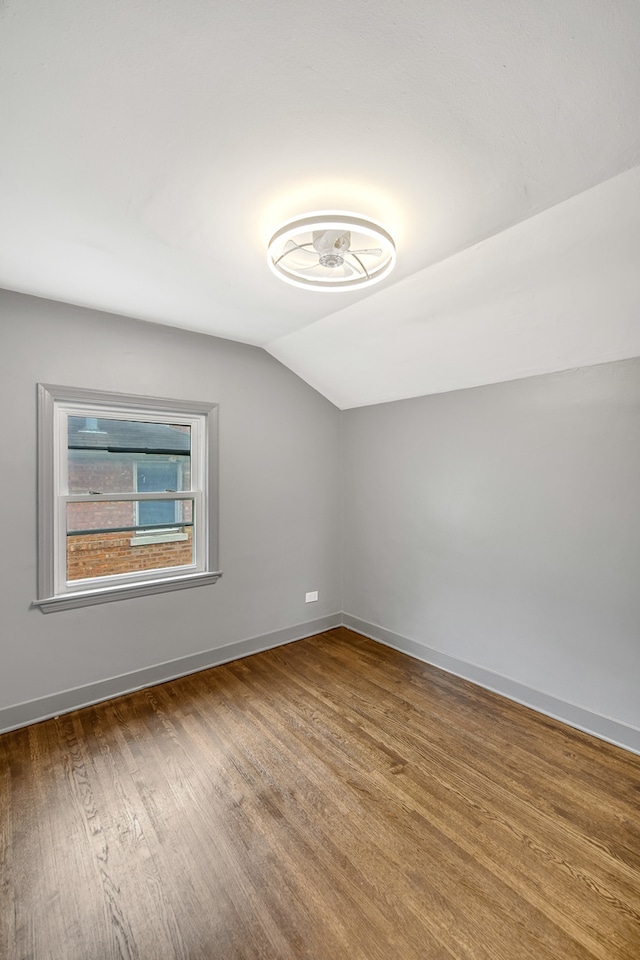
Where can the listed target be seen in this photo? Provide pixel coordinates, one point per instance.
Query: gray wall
(494, 531)
(500, 526)
(279, 497)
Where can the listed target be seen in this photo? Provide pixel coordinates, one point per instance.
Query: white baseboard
(613, 731)
(32, 711)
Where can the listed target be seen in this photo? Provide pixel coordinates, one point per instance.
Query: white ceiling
(151, 147)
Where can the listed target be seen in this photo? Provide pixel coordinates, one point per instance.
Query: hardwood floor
(331, 799)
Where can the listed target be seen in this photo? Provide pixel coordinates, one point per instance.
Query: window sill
(87, 598)
(141, 539)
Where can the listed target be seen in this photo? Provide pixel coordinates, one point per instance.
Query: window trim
(50, 397)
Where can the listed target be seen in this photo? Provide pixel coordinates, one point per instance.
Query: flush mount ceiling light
(331, 251)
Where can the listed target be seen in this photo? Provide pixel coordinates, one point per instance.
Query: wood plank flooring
(331, 799)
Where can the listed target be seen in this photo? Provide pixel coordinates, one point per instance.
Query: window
(126, 491)
(155, 476)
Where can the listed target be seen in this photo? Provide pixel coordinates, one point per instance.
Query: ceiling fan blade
(316, 269)
(358, 266)
(376, 252)
(298, 263)
(322, 273)
(302, 252)
(294, 253)
(290, 247)
(339, 273)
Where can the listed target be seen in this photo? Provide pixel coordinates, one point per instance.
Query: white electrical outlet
(311, 597)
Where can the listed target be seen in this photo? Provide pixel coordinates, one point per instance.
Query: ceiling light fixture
(331, 251)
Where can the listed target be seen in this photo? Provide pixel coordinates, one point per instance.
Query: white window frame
(55, 405)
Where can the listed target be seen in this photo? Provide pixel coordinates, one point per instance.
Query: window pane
(111, 456)
(111, 537)
(156, 511)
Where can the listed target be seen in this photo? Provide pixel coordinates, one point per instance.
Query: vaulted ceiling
(151, 147)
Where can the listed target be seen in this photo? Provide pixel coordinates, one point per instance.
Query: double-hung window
(126, 490)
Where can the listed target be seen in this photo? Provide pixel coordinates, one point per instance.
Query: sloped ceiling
(151, 147)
